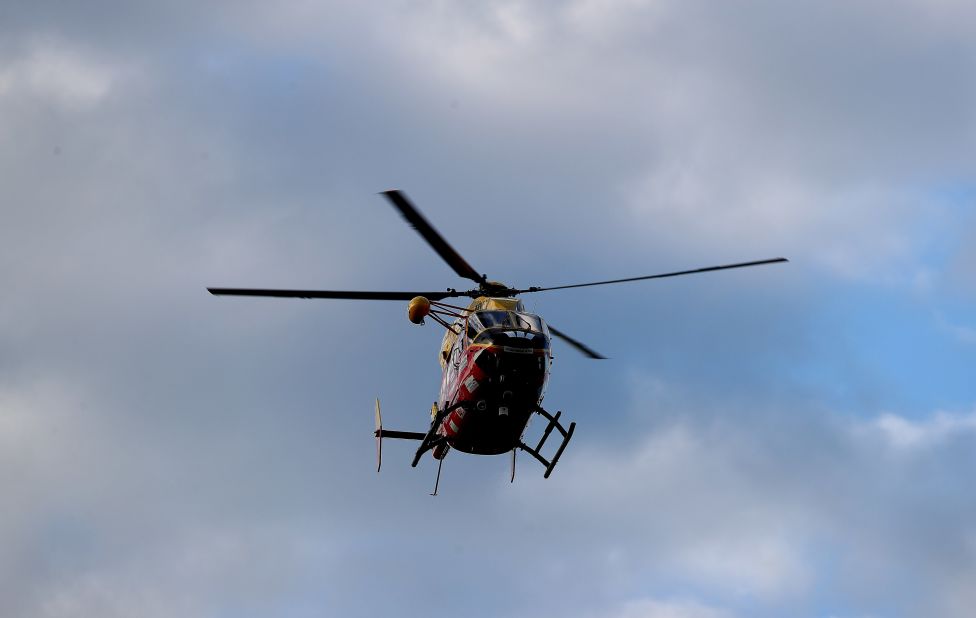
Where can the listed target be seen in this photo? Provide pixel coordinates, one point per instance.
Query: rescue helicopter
(495, 356)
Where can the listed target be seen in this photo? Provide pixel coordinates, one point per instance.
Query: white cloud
(965, 334)
(904, 433)
(686, 499)
(765, 565)
(53, 72)
(654, 608)
(761, 514)
(709, 130)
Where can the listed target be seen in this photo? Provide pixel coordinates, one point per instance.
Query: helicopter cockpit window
(509, 328)
(507, 319)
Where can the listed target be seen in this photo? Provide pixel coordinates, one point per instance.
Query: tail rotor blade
(379, 436)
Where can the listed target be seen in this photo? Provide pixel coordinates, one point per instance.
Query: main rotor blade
(576, 344)
(337, 294)
(433, 238)
(660, 276)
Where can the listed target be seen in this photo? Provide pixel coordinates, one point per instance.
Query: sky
(789, 440)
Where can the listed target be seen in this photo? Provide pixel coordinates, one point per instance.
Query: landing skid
(431, 440)
(537, 451)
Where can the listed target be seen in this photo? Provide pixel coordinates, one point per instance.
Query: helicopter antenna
(437, 482)
(514, 451)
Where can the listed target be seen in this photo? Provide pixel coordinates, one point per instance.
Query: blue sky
(791, 440)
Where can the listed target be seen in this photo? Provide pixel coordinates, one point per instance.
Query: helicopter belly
(498, 391)
(488, 433)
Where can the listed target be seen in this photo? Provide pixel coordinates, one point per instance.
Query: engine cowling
(418, 309)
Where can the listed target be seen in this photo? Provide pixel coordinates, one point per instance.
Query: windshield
(508, 328)
(507, 320)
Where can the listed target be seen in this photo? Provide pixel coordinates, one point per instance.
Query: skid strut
(432, 440)
(537, 451)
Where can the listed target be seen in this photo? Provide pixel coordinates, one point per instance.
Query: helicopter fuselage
(496, 361)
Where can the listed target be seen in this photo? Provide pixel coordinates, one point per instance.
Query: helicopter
(495, 356)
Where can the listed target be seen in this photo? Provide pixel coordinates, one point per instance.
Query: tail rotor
(379, 436)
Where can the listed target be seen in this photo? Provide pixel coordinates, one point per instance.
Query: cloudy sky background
(791, 440)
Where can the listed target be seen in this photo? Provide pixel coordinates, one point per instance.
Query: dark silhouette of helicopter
(495, 356)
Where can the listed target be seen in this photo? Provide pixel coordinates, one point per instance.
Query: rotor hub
(497, 289)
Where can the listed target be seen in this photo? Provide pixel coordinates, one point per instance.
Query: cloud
(962, 333)
(167, 452)
(651, 608)
(761, 514)
(50, 71)
(746, 130)
(903, 433)
(689, 506)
